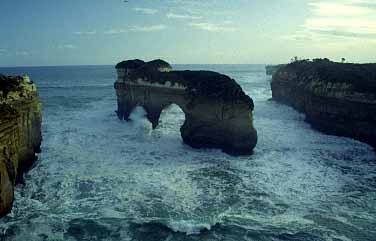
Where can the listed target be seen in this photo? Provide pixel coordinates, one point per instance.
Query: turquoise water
(99, 178)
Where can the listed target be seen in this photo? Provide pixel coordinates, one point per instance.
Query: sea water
(99, 178)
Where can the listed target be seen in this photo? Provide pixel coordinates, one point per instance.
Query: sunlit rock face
(338, 99)
(20, 133)
(218, 114)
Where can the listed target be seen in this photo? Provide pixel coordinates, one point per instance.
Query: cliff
(337, 98)
(272, 69)
(20, 133)
(218, 112)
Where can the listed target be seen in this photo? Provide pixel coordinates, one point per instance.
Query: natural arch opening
(171, 119)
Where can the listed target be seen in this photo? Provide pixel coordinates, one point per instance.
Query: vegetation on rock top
(9, 83)
(130, 64)
(158, 63)
(137, 63)
(362, 77)
(199, 83)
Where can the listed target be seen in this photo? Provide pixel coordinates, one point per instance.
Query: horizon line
(83, 65)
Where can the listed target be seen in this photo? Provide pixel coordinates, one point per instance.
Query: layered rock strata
(20, 133)
(337, 98)
(218, 114)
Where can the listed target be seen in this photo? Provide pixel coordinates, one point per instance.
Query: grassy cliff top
(16, 87)
(137, 63)
(158, 63)
(362, 77)
(9, 83)
(198, 83)
(130, 64)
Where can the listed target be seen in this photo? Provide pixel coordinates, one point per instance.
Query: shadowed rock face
(218, 114)
(272, 69)
(20, 133)
(337, 98)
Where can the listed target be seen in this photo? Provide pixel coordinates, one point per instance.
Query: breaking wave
(99, 178)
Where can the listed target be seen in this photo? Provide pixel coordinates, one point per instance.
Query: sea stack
(337, 98)
(218, 114)
(20, 133)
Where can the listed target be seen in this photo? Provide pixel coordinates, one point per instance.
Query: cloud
(343, 33)
(148, 11)
(67, 46)
(22, 53)
(115, 31)
(331, 9)
(336, 20)
(203, 8)
(182, 16)
(151, 28)
(354, 25)
(211, 27)
(86, 33)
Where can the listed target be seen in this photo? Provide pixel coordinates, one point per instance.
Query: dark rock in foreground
(218, 114)
(337, 98)
(20, 133)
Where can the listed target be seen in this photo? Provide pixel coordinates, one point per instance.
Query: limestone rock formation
(218, 114)
(337, 98)
(20, 133)
(272, 69)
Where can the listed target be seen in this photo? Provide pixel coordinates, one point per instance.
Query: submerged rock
(218, 114)
(20, 133)
(337, 98)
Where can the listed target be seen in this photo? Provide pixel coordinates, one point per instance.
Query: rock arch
(172, 115)
(218, 114)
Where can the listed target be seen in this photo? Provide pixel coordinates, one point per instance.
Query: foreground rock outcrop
(20, 133)
(218, 114)
(337, 98)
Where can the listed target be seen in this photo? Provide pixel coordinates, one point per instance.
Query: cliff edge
(218, 114)
(20, 133)
(337, 98)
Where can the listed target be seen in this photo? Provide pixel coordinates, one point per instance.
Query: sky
(90, 32)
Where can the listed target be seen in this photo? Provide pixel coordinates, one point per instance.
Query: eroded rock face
(338, 99)
(218, 114)
(20, 133)
(272, 69)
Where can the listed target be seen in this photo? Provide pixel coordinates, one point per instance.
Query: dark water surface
(102, 179)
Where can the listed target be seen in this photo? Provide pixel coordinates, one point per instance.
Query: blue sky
(73, 32)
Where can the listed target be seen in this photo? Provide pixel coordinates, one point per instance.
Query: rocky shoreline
(218, 114)
(337, 98)
(20, 133)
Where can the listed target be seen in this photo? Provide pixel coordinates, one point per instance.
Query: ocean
(99, 178)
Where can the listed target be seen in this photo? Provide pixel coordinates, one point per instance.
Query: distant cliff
(337, 98)
(218, 112)
(272, 69)
(20, 133)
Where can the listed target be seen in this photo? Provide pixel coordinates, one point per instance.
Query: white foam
(190, 227)
(94, 165)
